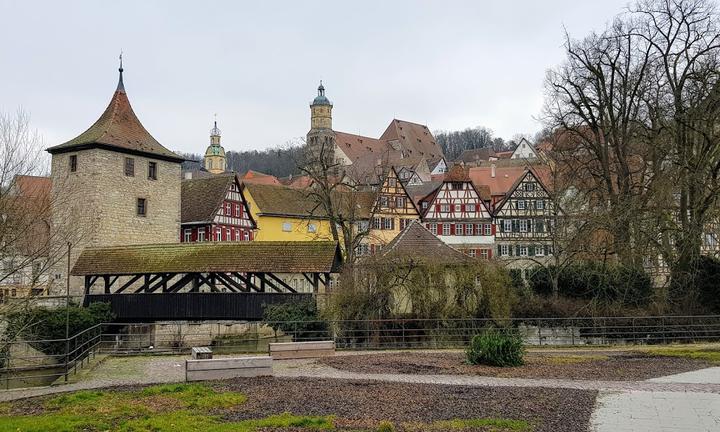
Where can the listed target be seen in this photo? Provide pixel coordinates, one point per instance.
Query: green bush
(707, 283)
(48, 324)
(301, 319)
(385, 426)
(502, 348)
(602, 282)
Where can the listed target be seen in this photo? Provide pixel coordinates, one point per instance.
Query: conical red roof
(119, 129)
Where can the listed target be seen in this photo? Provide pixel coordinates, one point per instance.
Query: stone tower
(214, 159)
(114, 184)
(321, 138)
(321, 111)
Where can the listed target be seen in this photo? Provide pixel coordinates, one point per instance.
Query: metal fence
(41, 362)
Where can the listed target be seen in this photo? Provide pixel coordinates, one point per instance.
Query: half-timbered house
(214, 209)
(457, 214)
(392, 211)
(524, 220)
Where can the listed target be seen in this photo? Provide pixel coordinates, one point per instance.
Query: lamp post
(67, 311)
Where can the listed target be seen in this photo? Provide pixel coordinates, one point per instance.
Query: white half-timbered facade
(457, 214)
(524, 221)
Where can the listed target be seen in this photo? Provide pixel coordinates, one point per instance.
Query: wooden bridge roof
(242, 257)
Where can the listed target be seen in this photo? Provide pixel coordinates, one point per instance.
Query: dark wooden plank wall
(191, 306)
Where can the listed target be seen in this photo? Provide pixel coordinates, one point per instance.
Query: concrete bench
(298, 350)
(226, 368)
(201, 353)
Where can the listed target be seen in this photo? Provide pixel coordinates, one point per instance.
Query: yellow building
(285, 214)
(214, 159)
(393, 211)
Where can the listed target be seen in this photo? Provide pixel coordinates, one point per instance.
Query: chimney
(492, 170)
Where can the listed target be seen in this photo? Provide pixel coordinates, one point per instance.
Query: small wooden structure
(201, 353)
(299, 350)
(226, 368)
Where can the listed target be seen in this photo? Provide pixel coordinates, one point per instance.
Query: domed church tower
(321, 111)
(214, 160)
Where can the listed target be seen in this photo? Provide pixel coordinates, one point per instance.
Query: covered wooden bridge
(203, 281)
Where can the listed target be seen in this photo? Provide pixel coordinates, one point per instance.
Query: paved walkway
(641, 411)
(683, 402)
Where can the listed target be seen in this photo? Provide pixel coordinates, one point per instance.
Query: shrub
(385, 426)
(707, 282)
(502, 348)
(47, 324)
(300, 319)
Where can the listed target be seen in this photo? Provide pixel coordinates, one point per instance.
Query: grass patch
(494, 424)
(573, 359)
(196, 396)
(711, 354)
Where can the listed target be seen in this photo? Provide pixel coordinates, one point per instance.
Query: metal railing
(47, 360)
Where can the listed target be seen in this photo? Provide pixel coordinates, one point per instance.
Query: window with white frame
(237, 234)
(529, 187)
(228, 209)
(201, 234)
(446, 229)
(383, 201)
(523, 251)
(237, 210)
(540, 204)
(484, 254)
(507, 224)
(376, 223)
(312, 228)
(246, 235)
(539, 250)
(445, 208)
(287, 226)
(504, 250)
(478, 229)
(488, 229)
(424, 205)
(387, 223)
(433, 228)
(188, 235)
(469, 229)
(400, 202)
(521, 204)
(218, 234)
(228, 235)
(459, 229)
(471, 253)
(522, 223)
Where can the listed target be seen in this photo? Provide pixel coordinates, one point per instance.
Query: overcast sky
(447, 64)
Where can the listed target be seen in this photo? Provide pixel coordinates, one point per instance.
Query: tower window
(141, 207)
(73, 163)
(152, 170)
(129, 167)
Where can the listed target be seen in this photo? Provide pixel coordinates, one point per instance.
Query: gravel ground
(568, 365)
(364, 403)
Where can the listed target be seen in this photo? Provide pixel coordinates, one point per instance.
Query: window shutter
(452, 207)
(437, 208)
(452, 229)
(477, 208)
(392, 223)
(502, 225)
(439, 229)
(492, 228)
(517, 250)
(490, 253)
(515, 225)
(511, 250)
(547, 249)
(499, 250)
(530, 225)
(531, 250)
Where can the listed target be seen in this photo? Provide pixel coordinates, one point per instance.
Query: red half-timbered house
(457, 214)
(214, 209)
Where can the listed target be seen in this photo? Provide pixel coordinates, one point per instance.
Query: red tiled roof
(119, 129)
(414, 137)
(257, 177)
(499, 185)
(418, 244)
(32, 186)
(356, 146)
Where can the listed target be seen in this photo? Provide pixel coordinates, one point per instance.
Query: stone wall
(97, 204)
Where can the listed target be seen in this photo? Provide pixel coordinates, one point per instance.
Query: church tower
(321, 111)
(214, 160)
(321, 138)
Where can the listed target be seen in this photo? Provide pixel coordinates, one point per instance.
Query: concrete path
(650, 411)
